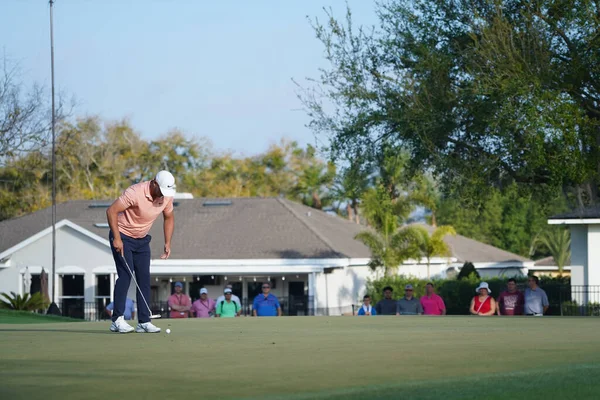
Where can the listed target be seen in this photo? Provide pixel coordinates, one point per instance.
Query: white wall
(593, 247)
(341, 288)
(579, 254)
(73, 249)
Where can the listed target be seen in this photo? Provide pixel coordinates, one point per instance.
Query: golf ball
(168, 331)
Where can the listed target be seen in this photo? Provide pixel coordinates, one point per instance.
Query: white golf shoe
(121, 326)
(147, 327)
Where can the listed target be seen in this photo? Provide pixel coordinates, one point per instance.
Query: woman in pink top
(432, 303)
(204, 307)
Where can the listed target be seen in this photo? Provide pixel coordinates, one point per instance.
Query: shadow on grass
(94, 332)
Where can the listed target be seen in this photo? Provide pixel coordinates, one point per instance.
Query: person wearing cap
(387, 305)
(228, 308)
(266, 304)
(432, 303)
(204, 307)
(511, 301)
(179, 302)
(130, 218)
(409, 305)
(367, 308)
(483, 304)
(233, 297)
(536, 299)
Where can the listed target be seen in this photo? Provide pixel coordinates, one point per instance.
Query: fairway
(306, 358)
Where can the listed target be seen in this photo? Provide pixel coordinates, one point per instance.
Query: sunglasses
(227, 294)
(266, 287)
(408, 290)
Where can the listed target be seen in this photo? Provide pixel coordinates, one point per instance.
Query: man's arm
(169, 227)
(545, 302)
(279, 311)
(112, 216)
(500, 300)
(419, 308)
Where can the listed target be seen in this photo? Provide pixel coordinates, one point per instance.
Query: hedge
(457, 294)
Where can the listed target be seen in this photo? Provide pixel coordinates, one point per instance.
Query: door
(298, 302)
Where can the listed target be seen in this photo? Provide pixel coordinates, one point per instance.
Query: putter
(152, 316)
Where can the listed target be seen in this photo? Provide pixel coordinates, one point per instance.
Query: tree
(467, 270)
(508, 218)
(349, 187)
(557, 242)
(25, 115)
(465, 87)
(432, 245)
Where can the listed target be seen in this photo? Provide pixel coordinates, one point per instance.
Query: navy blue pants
(137, 254)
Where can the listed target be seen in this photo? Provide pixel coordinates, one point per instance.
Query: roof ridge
(310, 228)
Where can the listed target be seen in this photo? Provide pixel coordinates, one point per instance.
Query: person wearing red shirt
(483, 304)
(511, 301)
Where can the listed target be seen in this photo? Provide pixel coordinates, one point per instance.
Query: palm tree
(557, 242)
(389, 245)
(432, 245)
(389, 249)
(26, 302)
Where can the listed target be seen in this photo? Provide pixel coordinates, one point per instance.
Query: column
(312, 278)
(112, 287)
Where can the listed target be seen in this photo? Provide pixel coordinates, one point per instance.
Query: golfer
(130, 218)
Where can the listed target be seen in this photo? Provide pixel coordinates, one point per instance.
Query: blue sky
(218, 69)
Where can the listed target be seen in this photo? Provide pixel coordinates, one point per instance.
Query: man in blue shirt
(129, 310)
(265, 304)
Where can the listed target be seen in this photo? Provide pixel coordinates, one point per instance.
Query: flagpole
(53, 307)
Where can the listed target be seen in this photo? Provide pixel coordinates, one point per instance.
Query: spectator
(409, 305)
(536, 300)
(233, 297)
(367, 308)
(266, 304)
(204, 307)
(432, 303)
(129, 309)
(386, 306)
(179, 302)
(228, 308)
(483, 304)
(511, 301)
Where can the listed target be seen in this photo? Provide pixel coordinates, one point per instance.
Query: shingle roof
(548, 262)
(589, 212)
(249, 228)
(465, 249)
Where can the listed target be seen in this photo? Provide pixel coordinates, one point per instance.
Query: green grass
(307, 358)
(26, 317)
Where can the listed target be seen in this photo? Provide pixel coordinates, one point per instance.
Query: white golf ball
(168, 331)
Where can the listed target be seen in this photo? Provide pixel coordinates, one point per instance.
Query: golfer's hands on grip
(167, 252)
(117, 244)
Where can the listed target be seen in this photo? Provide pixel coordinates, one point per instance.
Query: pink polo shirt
(180, 300)
(202, 309)
(141, 211)
(433, 305)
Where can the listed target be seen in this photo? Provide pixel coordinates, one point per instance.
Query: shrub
(457, 294)
(467, 270)
(26, 302)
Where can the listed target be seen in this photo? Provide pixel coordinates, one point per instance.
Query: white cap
(227, 290)
(166, 182)
(203, 291)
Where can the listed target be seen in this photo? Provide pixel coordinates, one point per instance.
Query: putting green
(306, 358)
